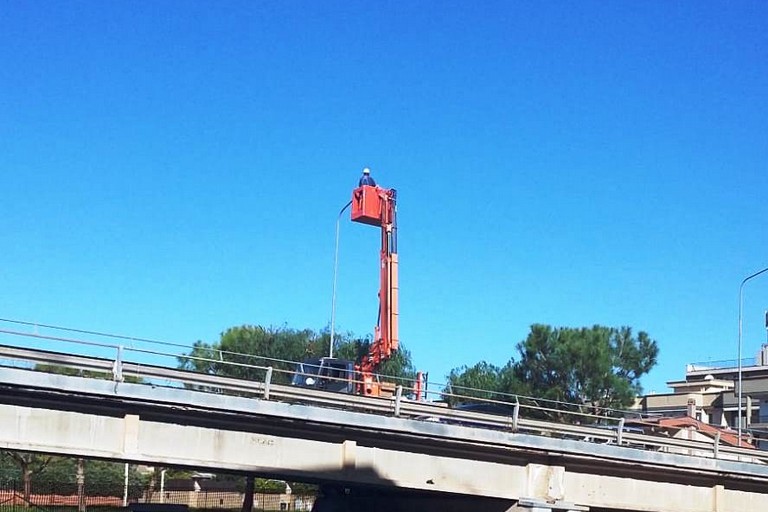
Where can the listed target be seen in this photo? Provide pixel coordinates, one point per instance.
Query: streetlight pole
(741, 307)
(335, 270)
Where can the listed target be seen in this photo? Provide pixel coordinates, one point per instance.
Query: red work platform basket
(366, 205)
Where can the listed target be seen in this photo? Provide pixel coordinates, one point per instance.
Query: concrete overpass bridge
(383, 446)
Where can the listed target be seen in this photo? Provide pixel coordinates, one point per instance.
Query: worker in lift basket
(366, 179)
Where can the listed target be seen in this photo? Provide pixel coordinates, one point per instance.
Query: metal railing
(520, 415)
(726, 364)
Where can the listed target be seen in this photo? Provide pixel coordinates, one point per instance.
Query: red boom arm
(376, 206)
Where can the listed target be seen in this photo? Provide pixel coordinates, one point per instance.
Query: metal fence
(45, 495)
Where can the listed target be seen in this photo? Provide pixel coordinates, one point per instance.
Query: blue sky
(171, 169)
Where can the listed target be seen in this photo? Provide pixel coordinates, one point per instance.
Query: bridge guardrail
(398, 405)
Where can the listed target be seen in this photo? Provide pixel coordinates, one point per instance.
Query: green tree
(598, 368)
(27, 466)
(105, 478)
(399, 367)
(55, 474)
(102, 478)
(242, 352)
(590, 370)
(483, 380)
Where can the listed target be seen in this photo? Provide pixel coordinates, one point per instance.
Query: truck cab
(327, 374)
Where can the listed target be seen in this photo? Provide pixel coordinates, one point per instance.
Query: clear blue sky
(171, 169)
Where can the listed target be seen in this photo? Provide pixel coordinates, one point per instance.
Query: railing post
(515, 416)
(267, 382)
(398, 397)
(717, 445)
(620, 432)
(117, 366)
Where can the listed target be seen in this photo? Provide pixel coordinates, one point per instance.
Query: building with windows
(710, 393)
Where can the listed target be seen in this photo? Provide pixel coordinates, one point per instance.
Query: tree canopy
(241, 350)
(483, 380)
(54, 474)
(597, 367)
(399, 366)
(253, 346)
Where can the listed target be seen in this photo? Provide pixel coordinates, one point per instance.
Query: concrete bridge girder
(532, 486)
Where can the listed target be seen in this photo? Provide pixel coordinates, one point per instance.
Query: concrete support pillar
(131, 434)
(349, 455)
(718, 500)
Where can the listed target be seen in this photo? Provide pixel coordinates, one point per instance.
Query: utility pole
(80, 485)
(740, 371)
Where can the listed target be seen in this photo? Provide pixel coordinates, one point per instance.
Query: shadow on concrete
(379, 494)
(334, 498)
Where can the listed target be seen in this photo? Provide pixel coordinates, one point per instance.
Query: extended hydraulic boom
(377, 206)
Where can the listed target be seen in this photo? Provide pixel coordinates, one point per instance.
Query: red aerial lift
(375, 206)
